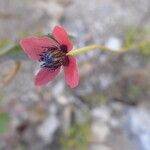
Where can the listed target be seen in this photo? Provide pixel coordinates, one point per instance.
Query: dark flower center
(54, 57)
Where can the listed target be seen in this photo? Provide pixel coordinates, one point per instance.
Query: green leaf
(4, 122)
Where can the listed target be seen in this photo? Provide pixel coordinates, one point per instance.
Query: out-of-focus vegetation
(4, 122)
(144, 48)
(95, 98)
(139, 39)
(9, 49)
(77, 137)
(134, 92)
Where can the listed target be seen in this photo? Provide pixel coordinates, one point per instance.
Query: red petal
(33, 46)
(62, 37)
(45, 75)
(71, 73)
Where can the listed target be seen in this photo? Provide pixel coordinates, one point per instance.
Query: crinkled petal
(71, 73)
(34, 46)
(62, 37)
(45, 75)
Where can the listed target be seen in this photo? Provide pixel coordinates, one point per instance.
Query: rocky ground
(112, 99)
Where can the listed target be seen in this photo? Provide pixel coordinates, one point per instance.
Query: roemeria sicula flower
(51, 52)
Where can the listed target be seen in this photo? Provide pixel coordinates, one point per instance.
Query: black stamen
(54, 57)
(63, 48)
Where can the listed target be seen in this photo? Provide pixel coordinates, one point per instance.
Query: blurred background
(109, 110)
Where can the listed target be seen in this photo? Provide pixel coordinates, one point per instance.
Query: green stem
(91, 47)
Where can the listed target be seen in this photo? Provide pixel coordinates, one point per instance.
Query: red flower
(52, 53)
